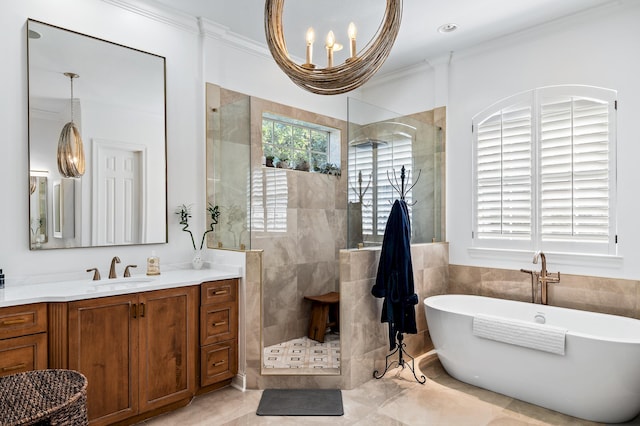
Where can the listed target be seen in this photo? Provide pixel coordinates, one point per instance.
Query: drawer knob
(216, 364)
(219, 292)
(14, 367)
(218, 324)
(14, 321)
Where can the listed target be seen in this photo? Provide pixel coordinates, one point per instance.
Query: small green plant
(269, 160)
(302, 163)
(283, 163)
(330, 169)
(185, 213)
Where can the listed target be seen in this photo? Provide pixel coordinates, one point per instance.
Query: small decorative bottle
(153, 264)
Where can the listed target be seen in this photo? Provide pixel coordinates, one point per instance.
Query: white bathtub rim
(429, 301)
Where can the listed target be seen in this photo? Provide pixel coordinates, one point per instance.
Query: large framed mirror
(115, 96)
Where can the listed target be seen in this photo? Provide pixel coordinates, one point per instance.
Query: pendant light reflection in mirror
(71, 161)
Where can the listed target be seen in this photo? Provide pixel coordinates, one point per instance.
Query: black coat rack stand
(400, 345)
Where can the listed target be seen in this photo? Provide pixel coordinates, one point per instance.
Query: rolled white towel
(541, 337)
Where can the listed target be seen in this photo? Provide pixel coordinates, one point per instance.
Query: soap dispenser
(153, 264)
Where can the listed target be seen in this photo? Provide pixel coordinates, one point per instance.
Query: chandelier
(332, 80)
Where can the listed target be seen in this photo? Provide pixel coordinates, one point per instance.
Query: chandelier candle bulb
(331, 39)
(353, 32)
(311, 37)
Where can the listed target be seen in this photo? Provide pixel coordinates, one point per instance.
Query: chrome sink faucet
(112, 270)
(543, 277)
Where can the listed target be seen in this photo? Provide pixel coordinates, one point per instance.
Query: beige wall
(606, 295)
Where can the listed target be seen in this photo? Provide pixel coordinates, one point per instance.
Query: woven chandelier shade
(70, 147)
(340, 78)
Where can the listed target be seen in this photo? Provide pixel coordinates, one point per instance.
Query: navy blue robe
(394, 281)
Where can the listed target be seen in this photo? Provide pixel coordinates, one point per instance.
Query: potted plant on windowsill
(302, 164)
(330, 169)
(269, 160)
(283, 163)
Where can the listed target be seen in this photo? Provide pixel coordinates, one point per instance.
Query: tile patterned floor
(305, 353)
(393, 400)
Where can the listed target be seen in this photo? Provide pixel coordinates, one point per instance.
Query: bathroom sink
(122, 283)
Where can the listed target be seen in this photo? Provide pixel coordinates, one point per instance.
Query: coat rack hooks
(359, 191)
(401, 187)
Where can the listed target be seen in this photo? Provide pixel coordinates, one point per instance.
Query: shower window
(372, 164)
(381, 142)
(299, 142)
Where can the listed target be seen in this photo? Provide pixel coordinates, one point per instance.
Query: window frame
(571, 245)
(309, 129)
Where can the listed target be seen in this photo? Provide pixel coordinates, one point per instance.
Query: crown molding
(158, 12)
(399, 74)
(213, 30)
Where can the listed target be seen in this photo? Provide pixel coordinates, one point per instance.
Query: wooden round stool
(325, 312)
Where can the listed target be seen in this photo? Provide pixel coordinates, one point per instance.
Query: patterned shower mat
(305, 353)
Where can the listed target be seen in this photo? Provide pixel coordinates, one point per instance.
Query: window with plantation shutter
(373, 162)
(544, 171)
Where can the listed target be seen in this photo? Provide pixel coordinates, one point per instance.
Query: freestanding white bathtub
(597, 378)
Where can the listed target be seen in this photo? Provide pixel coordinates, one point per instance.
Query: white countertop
(68, 290)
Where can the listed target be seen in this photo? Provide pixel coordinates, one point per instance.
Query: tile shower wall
(605, 295)
(364, 341)
(299, 220)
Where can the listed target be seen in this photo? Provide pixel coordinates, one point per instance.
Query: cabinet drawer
(22, 320)
(218, 362)
(218, 323)
(22, 354)
(219, 292)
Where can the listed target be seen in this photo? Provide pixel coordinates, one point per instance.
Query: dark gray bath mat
(300, 402)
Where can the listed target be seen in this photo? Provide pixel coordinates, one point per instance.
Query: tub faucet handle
(555, 279)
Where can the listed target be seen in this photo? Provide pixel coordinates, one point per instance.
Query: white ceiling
(418, 40)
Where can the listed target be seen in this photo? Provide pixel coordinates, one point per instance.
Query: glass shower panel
(229, 155)
(381, 144)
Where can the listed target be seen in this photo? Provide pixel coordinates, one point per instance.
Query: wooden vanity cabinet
(138, 351)
(218, 332)
(23, 338)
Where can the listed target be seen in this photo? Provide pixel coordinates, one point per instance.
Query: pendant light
(70, 148)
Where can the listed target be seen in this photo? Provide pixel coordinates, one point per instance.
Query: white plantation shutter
(545, 171)
(375, 161)
(361, 160)
(269, 200)
(392, 156)
(574, 168)
(503, 180)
